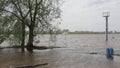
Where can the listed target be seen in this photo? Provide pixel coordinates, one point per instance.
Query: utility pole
(109, 51)
(106, 15)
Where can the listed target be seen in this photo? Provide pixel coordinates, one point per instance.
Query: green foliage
(16, 32)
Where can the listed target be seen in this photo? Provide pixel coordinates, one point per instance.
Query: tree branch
(11, 13)
(36, 7)
(30, 10)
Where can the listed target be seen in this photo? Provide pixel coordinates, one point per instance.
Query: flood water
(75, 53)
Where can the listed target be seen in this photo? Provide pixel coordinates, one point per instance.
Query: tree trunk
(23, 37)
(31, 39)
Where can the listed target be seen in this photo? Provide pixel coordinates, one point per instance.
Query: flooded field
(76, 53)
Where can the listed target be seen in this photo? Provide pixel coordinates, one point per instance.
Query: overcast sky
(86, 15)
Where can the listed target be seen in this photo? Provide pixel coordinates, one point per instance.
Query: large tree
(17, 9)
(42, 12)
(34, 14)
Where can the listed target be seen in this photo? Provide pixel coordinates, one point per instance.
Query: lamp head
(106, 14)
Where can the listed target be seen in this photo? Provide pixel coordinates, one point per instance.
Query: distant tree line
(92, 32)
(86, 32)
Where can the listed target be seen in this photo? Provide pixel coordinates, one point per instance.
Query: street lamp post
(109, 51)
(106, 15)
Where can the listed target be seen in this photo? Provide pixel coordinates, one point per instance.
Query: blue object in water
(111, 51)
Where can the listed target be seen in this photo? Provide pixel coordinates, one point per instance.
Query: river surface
(75, 52)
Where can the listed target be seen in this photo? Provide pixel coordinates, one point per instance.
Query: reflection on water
(75, 55)
(56, 58)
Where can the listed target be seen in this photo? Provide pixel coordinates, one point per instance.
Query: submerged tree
(34, 14)
(42, 12)
(16, 9)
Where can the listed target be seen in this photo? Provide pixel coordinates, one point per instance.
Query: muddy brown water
(75, 54)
